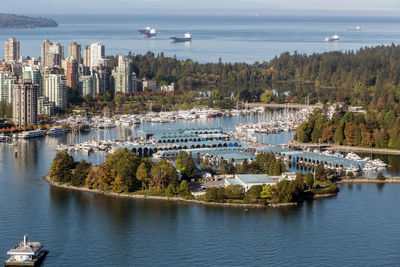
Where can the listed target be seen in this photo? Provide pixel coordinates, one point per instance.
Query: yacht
(352, 169)
(353, 156)
(332, 38)
(369, 168)
(31, 134)
(56, 130)
(379, 163)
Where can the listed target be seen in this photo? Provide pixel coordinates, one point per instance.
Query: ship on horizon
(332, 38)
(151, 33)
(144, 30)
(186, 38)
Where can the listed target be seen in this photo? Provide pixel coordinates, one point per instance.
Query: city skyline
(178, 6)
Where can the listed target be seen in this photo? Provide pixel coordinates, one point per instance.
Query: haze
(194, 6)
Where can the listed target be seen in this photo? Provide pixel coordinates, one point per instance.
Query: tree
(143, 174)
(309, 180)
(303, 132)
(184, 187)
(124, 164)
(170, 191)
(380, 176)
(244, 95)
(81, 172)
(225, 167)
(267, 96)
(99, 178)
(214, 194)
(253, 194)
(61, 168)
(186, 165)
(320, 174)
(234, 192)
(267, 192)
(216, 95)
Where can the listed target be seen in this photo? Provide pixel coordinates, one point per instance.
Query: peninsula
(10, 21)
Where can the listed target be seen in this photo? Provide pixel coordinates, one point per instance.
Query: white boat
(369, 168)
(31, 134)
(332, 38)
(353, 156)
(379, 163)
(56, 130)
(352, 169)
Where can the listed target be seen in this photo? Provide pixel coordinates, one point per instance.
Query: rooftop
(255, 178)
(30, 249)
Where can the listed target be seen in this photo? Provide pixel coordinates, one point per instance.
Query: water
(231, 38)
(358, 227)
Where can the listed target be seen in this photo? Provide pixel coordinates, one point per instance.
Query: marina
(26, 253)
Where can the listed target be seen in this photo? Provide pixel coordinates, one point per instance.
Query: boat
(352, 169)
(31, 134)
(26, 254)
(5, 138)
(369, 168)
(358, 28)
(186, 38)
(379, 163)
(144, 30)
(151, 33)
(56, 130)
(332, 38)
(353, 156)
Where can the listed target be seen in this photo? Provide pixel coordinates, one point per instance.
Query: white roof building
(248, 180)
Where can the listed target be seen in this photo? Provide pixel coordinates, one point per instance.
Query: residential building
(97, 54)
(86, 56)
(71, 72)
(56, 90)
(123, 75)
(101, 80)
(6, 87)
(149, 85)
(11, 50)
(75, 50)
(45, 107)
(167, 88)
(25, 103)
(86, 85)
(249, 180)
(52, 54)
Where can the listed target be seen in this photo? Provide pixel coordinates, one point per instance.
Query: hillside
(9, 21)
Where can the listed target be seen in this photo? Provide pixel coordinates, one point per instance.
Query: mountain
(9, 21)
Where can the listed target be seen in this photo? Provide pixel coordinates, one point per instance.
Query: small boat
(358, 28)
(56, 130)
(186, 38)
(332, 38)
(32, 134)
(26, 254)
(369, 168)
(144, 30)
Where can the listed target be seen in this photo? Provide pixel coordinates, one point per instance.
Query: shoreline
(175, 199)
(285, 105)
(341, 148)
(369, 181)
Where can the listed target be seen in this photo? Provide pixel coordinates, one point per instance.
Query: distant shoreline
(11, 21)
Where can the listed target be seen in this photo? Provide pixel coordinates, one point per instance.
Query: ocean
(226, 37)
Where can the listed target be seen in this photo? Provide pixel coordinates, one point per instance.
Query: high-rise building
(101, 79)
(52, 54)
(6, 87)
(86, 85)
(56, 90)
(86, 56)
(97, 54)
(75, 50)
(71, 72)
(45, 107)
(25, 103)
(11, 49)
(123, 75)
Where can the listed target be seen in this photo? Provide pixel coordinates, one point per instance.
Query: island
(10, 21)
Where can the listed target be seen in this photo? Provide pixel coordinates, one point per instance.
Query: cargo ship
(144, 30)
(332, 38)
(151, 33)
(186, 38)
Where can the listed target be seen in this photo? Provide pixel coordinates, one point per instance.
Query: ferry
(151, 33)
(56, 130)
(186, 38)
(26, 254)
(332, 38)
(31, 134)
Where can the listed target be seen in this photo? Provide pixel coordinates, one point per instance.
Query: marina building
(25, 101)
(11, 50)
(56, 90)
(249, 180)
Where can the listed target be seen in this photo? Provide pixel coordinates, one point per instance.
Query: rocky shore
(9, 21)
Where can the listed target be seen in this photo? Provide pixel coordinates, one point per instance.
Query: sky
(193, 6)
